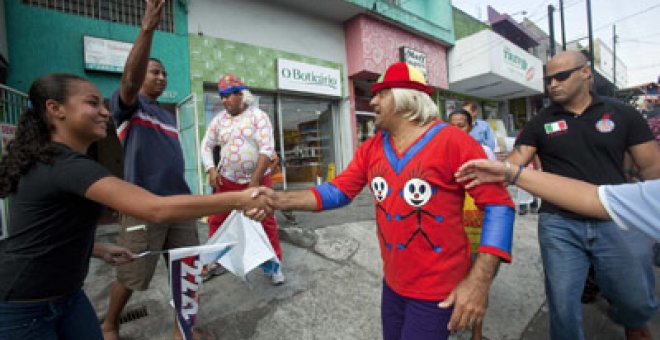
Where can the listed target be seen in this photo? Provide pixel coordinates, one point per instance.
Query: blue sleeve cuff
(331, 196)
(497, 230)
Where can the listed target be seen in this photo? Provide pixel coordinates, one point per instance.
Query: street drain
(133, 314)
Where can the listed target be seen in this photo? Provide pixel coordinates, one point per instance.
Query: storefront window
(307, 133)
(365, 126)
(306, 146)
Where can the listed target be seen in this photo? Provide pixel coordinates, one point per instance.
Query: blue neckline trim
(399, 164)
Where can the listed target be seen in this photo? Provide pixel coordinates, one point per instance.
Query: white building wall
(268, 25)
(264, 24)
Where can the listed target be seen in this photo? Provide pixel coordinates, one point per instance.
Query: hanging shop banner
(105, 55)
(308, 78)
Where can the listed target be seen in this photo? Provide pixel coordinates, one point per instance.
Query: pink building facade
(371, 46)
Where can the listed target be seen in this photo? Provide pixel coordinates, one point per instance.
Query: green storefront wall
(211, 58)
(42, 41)
(466, 25)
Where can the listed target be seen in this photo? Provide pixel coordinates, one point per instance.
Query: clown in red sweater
(429, 286)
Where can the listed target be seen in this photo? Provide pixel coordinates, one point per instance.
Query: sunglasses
(561, 76)
(229, 94)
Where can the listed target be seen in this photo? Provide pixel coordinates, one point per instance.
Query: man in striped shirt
(153, 160)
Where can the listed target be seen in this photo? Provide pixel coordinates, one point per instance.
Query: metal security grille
(12, 103)
(121, 11)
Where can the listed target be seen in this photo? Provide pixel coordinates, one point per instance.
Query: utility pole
(551, 23)
(563, 27)
(614, 39)
(591, 38)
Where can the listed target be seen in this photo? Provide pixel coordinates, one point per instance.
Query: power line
(628, 17)
(655, 34)
(618, 20)
(644, 67)
(572, 4)
(654, 43)
(540, 7)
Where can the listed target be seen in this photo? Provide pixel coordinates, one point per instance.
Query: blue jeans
(69, 317)
(622, 261)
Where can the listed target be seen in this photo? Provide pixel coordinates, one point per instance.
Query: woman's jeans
(69, 317)
(623, 262)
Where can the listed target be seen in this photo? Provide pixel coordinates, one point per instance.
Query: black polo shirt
(589, 147)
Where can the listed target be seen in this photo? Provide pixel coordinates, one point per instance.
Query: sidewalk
(333, 290)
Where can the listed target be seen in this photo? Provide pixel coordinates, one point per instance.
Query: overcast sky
(637, 26)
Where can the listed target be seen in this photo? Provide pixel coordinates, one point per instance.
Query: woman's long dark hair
(32, 142)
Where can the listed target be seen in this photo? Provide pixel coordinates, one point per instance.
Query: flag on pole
(185, 276)
(252, 248)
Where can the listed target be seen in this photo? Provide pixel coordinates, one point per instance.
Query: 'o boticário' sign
(302, 77)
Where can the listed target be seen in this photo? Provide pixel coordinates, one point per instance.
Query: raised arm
(136, 63)
(580, 197)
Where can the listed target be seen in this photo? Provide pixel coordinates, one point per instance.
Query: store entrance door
(303, 128)
(186, 116)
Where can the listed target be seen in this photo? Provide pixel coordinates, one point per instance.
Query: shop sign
(105, 55)
(414, 58)
(514, 60)
(517, 66)
(297, 76)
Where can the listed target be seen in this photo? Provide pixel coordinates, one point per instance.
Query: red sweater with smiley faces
(425, 250)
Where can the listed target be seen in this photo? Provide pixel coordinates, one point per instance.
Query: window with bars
(121, 11)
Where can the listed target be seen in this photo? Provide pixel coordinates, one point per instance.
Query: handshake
(259, 202)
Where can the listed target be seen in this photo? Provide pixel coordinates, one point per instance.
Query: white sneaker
(277, 278)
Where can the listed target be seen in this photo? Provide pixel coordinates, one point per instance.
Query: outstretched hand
(480, 171)
(152, 13)
(260, 202)
(113, 254)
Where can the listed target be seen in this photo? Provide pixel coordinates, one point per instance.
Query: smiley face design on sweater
(417, 192)
(381, 190)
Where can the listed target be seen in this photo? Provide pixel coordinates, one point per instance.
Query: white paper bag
(251, 249)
